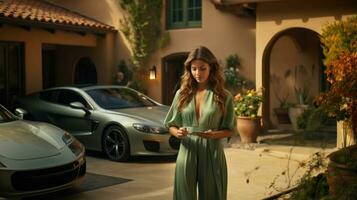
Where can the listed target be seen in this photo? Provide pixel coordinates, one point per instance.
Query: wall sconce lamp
(153, 72)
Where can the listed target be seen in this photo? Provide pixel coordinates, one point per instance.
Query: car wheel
(115, 144)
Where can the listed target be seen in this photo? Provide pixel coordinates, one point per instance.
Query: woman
(201, 114)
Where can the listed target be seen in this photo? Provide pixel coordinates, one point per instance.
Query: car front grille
(47, 178)
(152, 146)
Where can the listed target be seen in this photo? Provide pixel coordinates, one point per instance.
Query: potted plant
(281, 112)
(234, 81)
(340, 50)
(342, 173)
(246, 106)
(313, 119)
(296, 110)
(301, 94)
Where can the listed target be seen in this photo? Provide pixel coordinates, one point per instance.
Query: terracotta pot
(341, 178)
(283, 115)
(248, 128)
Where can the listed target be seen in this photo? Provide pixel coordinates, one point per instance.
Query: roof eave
(49, 26)
(232, 2)
(238, 8)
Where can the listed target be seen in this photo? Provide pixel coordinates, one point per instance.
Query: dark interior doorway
(173, 67)
(12, 76)
(86, 72)
(48, 67)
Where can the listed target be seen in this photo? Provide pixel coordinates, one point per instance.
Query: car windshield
(117, 98)
(5, 116)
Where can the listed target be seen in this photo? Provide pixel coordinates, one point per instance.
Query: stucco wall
(287, 55)
(109, 12)
(101, 55)
(222, 33)
(273, 17)
(33, 40)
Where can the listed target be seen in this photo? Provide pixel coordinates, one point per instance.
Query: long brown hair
(189, 85)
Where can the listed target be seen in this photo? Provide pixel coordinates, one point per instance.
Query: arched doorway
(173, 67)
(292, 62)
(85, 72)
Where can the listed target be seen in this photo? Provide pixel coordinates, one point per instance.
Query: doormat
(91, 181)
(95, 181)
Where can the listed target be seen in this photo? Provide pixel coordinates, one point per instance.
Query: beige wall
(222, 33)
(115, 47)
(273, 17)
(101, 55)
(286, 54)
(33, 40)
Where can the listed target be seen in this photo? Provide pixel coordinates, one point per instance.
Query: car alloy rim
(114, 144)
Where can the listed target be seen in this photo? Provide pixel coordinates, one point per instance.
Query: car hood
(22, 140)
(154, 114)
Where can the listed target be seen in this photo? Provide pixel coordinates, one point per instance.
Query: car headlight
(76, 147)
(73, 144)
(67, 138)
(149, 129)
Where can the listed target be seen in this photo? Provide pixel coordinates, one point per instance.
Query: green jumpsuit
(201, 162)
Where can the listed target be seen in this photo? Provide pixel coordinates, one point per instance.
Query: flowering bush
(231, 71)
(232, 77)
(247, 104)
(340, 50)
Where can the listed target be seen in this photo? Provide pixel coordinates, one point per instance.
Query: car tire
(115, 144)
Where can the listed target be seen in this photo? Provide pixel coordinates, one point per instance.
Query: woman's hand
(181, 132)
(209, 134)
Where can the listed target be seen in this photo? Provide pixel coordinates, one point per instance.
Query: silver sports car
(117, 120)
(37, 157)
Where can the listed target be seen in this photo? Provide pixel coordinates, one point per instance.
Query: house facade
(276, 40)
(287, 41)
(44, 45)
(222, 32)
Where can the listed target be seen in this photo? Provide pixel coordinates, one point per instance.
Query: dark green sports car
(117, 120)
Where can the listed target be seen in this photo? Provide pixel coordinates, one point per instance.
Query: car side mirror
(76, 105)
(19, 112)
(79, 105)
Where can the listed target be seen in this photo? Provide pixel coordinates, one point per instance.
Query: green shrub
(312, 119)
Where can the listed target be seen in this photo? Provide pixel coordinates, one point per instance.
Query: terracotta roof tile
(43, 11)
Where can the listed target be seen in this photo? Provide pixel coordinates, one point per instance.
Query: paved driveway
(152, 178)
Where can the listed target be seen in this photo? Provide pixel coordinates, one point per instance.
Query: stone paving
(251, 169)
